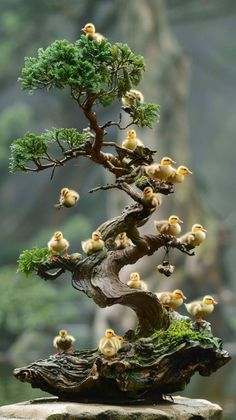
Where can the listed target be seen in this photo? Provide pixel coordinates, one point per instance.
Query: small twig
(104, 187)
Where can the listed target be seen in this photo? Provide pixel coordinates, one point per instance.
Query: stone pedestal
(51, 409)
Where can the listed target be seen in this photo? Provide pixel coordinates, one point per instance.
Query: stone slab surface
(49, 409)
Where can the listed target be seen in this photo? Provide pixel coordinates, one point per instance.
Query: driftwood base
(143, 371)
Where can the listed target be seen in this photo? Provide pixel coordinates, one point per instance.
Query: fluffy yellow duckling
(90, 32)
(179, 174)
(171, 299)
(201, 308)
(195, 237)
(58, 244)
(162, 170)
(169, 227)
(150, 197)
(131, 97)
(109, 344)
(131, 141)
(123, 241)
(136, 283)
(93, 245)
(68, 198)
(63, 342)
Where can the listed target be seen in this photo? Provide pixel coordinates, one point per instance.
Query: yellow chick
(131, 141)
(201, 308)
(169, 227)
(162, 170)
(149, 197)
(63, 342)
(179, 174)
(93, 245)
(132, 97)
(90, 32)
(171, 299)
(109, 344)
(136, 283)
(123, 241)
(195, 237)
(68, 198)
(58, 245)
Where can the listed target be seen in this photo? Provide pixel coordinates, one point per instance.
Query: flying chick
(201, 308)
(63, 342)
(195, 237)
(171, 299)
(94, 244)
(178, 175)
(136, 283)
(68, 198)
(57, 245)
(123, 241)
(162, 170)
(109, 344)
(90, 32)
(131, 141)
(132, 97)
(169, 227)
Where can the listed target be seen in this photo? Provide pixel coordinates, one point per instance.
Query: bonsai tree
(166, 349)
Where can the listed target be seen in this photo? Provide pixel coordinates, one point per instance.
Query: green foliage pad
(30, 259)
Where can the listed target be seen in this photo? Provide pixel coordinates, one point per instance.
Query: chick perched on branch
(57, 245)
(109, 344)
(200, 308)
(63, 342)
(131, 141)
(132, 97)
(178, 175)
(150, 198)
(162, 170)
(171, 299)
(90, 32)
(123, 241)
(169, 227)
(93, 245)
(68, 198)
(136, 283)
(195, 237)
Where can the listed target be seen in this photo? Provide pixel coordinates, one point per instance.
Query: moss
(183, 332)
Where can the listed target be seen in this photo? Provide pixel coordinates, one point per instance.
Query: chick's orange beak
(184, 297)
(180, 221)
(214, 301)
(83, 29)
(204, 230)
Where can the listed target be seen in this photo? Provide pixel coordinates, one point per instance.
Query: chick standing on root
(136, 283)
(68, 198)
(93, 245)
(63, 342)
(123, 241)
(109, 344)
(171, 299)
(162, 170)
(131, 141)
(132, 97)
(178, 175)
(58, 245)
(201, 308)
(150, 198)
(169, 227)
(90, 32)
(195, 237)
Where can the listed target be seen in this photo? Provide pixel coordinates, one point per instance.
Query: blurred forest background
(190, 53)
